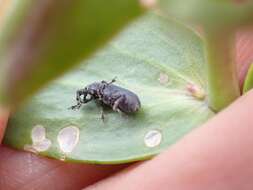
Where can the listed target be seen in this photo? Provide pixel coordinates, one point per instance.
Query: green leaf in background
(219, 21)
(248, 83)
(210, 13)
(39, 40)
(160, 60)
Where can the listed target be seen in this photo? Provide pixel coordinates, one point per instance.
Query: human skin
(215, 156)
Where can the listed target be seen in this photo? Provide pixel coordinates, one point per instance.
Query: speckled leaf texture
(159, 59)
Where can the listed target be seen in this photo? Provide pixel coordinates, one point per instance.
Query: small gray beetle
(106, 93)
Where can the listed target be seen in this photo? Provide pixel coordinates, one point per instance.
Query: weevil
(109, 94)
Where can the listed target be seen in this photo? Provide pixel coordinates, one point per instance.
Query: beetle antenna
(113, 80)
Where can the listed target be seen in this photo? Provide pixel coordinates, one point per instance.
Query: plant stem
(223, 83)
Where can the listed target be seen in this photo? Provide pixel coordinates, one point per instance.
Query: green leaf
(248, 83)
(160, 60)
(39, 40)
(223, 82)
(210, 13)
(219, 21)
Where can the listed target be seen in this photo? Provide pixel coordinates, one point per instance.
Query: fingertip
(24, 170)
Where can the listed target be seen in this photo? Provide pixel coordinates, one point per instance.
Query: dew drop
(68, 138)
(38, 133)
(153, 138)
(42, 146)
(39, 141)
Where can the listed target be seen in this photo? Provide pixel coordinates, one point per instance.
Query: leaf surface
(160, 60)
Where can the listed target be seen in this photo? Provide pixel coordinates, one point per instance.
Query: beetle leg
(117, 102)
(99, 93)
(100, 104)
(77, 106)
(113, 80)
(102, 114)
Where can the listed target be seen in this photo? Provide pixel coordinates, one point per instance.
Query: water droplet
(39, 141)
(68, 138)
(38, 133)
(42, 146)
(153, 138)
